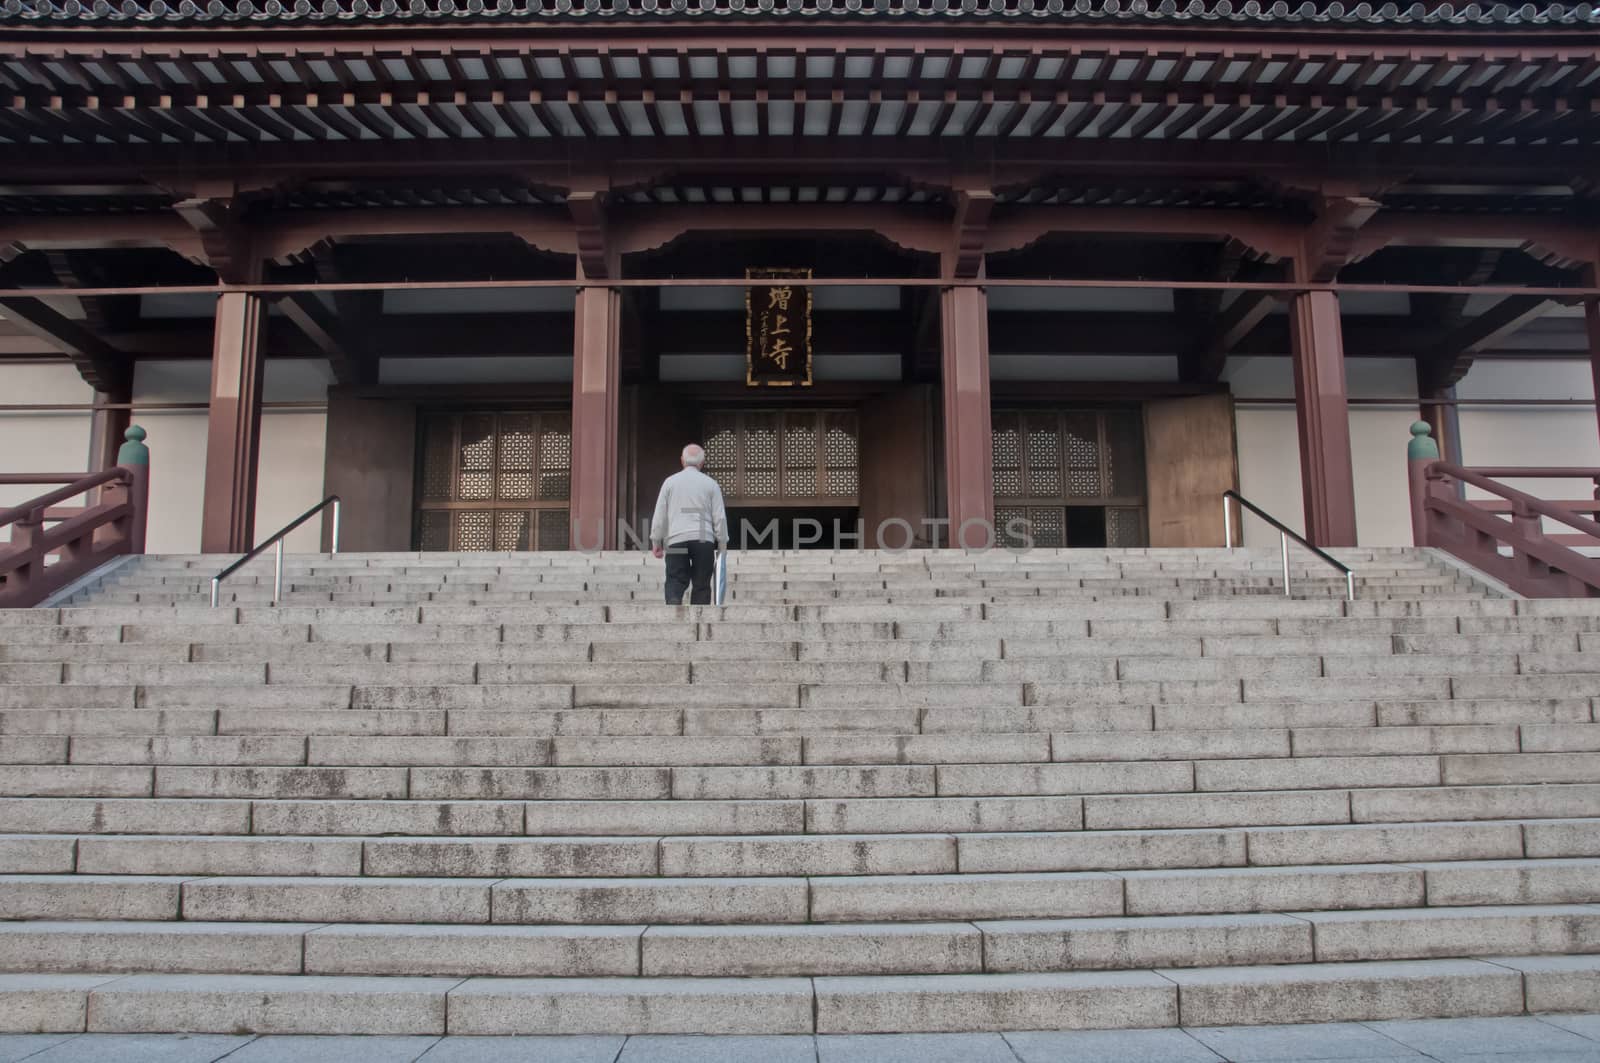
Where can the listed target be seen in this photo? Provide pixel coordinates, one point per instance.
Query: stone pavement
(1545, 1039)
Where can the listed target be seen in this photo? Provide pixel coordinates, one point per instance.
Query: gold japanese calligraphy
(778, 330)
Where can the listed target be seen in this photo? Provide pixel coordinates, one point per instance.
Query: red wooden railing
(1504, 535)
(79, 539)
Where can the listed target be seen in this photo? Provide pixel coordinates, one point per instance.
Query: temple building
(483, 268)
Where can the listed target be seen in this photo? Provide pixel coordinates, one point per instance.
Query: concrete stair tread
(859, 1004)
(942, 791)
(754, 950)
(692, 896)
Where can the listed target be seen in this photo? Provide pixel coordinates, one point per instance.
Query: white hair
(694, 455)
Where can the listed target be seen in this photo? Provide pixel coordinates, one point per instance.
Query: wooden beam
(102, 366)
(358, 313)
(1235, 323)
(1449, 361)
(313, 318)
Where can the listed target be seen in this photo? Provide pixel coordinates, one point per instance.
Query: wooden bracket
(225, 245)
(589, 222)
(969, 233)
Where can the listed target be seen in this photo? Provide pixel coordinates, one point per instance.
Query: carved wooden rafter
(1329, 243)
(225, 245)
(102, 366)
(1217, 331)
(357, 312)
(969, 233)
(650, 230)
(294, 235)
(1554, 241)
(1443, 315)
(587, 208)
(1264, 235)
(1448, 362)
(101, 313)
(326, 332)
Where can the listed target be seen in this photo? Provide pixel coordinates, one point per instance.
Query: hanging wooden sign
(777, 325)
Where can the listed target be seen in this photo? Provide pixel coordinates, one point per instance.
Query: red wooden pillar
(1591, 324)
(596, 356)
(1323, 412)
(968, 445)
(233, 435)
(106, 428)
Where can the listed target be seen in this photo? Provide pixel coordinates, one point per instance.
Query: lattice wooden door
(494, 481)
(1047, 461)
(785, 457)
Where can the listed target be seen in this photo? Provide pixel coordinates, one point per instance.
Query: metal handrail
(1285, 533)
(277, 539)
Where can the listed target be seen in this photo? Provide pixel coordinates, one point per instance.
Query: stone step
(725, 1006)
(1135, 617)
(602, 659)
(1349, 726)
(1394, 786)
(771, 897)
(755, 951)
(1219, 637)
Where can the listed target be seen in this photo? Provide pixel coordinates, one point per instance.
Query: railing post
(1227, 522)
(277, 573)
(1419, 453)
(25, 535)
(134, 456)
(1283, 544)
(1530, 529)
(336, 526)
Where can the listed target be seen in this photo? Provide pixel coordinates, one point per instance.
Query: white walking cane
(721, 578)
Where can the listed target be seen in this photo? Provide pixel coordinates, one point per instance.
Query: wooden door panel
(1191, 459)
(494, 480)
(895, 443)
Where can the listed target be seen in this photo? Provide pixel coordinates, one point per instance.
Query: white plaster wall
(1378, 440)
(177, 441)
(43, 440)
(1269, 469)
(1269, 446)
(291, 461)
(292, 452)
(293, 443)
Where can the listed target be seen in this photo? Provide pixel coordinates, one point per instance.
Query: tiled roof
(1134, 12)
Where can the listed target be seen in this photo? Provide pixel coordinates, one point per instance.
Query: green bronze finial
(134, 452)
(1422, 446)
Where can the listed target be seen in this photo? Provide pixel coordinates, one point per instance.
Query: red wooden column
(106, 428)
(968, 445)
(233, 436)
(964, 370)
(1323, 412)
(1591, 325)
(596, 356)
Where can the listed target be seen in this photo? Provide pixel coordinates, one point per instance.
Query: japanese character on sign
(778, 331)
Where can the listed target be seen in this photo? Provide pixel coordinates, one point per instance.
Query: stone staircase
(485, 794)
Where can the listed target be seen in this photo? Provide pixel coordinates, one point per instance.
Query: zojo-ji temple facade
(482, 268)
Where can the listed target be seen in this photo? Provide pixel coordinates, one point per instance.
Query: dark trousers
(690, 563)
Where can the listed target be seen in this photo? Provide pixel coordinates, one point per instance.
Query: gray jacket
(689, 509)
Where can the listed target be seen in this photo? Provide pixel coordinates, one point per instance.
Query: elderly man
(689, 528)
